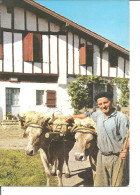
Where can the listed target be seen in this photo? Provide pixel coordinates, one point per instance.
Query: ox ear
(21, 121)
(20, 118)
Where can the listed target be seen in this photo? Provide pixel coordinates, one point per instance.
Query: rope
(124, 147)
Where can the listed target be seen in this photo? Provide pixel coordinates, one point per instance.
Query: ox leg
(53, 172)
(67, 171)
(68, 145)
(59, 171)
(93, 166)
(46, 166)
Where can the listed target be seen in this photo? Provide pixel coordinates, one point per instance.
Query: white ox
(52, 148)
(86, 142)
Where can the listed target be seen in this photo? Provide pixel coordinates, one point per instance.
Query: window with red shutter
(37, 47)
(86, 54)
(1, 49)
(113, 58)
(28, 47)
(32, 47)
(83, 54)
(51, 98)
(89, 55)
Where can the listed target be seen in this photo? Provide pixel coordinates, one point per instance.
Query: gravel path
(81, 173)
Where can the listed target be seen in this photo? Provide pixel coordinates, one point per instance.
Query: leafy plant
(81, 95)
(81, 91)
(123, 85)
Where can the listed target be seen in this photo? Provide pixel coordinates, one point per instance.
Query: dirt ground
(11, 137)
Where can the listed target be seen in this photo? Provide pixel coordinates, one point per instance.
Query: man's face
(105, 105)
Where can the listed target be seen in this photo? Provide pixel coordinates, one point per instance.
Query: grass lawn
(18, 169)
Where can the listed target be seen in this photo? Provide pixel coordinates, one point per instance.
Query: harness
(83, 129)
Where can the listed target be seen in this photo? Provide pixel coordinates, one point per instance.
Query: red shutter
(28, 47)
(37, 47)
(1, 49)
(51, 98)
(83, 54)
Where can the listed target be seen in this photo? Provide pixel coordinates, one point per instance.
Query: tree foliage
(81, 95)
(81, 91)
(123, 85)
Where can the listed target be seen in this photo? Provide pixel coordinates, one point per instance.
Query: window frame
(42, 97)
(113, 58)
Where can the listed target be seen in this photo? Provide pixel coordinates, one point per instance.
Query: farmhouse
(42, 51)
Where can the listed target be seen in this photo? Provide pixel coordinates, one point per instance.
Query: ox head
(83, 145)
(36, 137)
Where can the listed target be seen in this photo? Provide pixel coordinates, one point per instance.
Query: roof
(76, 26)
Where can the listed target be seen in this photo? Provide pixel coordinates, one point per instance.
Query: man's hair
(104, 94)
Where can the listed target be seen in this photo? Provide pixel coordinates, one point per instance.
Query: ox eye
(89, 141)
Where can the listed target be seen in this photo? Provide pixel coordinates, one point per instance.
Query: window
(51, 98)
(110, 88)
(86, 54)
(113, 58)
(39, 97)
(32, 47)
(1, 50)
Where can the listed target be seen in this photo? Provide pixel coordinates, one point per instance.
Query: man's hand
(123, 153)
(69, 119)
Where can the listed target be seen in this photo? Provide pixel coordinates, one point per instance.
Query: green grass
(18, 169)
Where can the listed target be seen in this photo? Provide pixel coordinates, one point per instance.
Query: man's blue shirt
(111, 131)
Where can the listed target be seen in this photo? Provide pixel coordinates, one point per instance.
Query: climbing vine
(123, 85)
(81, 91)
(81, 95)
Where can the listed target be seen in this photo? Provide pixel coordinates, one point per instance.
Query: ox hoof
(67, 175)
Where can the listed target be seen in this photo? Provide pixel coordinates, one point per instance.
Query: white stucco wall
(42, 24)
(53, 53)
(31, 21)
(18, 53)
(28, 98)
(5, 17)
(70, 53)
(7, 50)
(120, 67)
(76, 54)
(105, 63)
(45, 53)
(112, 72)
(127, 69)
(0, 65)
(62, 80)
(96, 60)
(19, 18)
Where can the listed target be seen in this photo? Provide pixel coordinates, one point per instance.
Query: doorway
(12, 101)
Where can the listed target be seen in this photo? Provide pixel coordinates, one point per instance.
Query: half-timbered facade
(41, 51)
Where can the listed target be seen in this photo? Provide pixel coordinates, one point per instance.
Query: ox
(52, 147)
(86, 145)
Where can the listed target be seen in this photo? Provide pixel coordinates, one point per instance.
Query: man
(112, 128)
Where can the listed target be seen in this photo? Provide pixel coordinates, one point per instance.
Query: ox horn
(53, 118)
